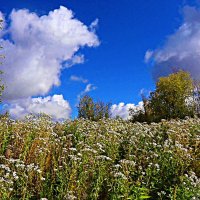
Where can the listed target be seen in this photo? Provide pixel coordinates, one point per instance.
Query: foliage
(137, 115)
(140, 115)
(88, 109)
(171, 95)
(173, 98)
(108, 159)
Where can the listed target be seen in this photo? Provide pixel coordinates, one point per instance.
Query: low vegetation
(108, 159)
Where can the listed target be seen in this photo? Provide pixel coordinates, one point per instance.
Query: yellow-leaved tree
(172, 97)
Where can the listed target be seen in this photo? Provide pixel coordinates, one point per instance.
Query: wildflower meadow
(108, 159)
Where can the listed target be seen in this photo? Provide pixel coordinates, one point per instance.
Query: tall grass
(109, 159)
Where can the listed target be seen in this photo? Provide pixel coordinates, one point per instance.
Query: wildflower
(79, 154)
(73, 157)
(118, 166)
(20, 165)
(70, 196)
(157, 166)
(130, 162)
(140, 167)
(163, 192)
(31, 166)
(39, 171)
(7, 175)
(89, 150)
(11, 160)
(120, 175)
(72, 149)
(15, 175)
(104, 157)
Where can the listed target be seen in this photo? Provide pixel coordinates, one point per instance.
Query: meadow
(106, 160)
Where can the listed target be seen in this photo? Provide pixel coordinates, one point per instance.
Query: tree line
(175, 96)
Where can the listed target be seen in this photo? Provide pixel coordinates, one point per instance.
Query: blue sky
(126, 30)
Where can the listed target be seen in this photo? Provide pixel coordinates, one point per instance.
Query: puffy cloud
(55, 106)
(78, 79)
(89, 87)
(122, 109)
(181, 50)
(37, 49)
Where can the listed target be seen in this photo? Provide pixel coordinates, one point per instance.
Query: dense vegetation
(176, 96)
(108, 159)
(88, 109)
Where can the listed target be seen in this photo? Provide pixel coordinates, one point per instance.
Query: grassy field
(109, 159)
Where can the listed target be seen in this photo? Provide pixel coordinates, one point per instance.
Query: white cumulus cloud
(122, 109)
(181, 50)
(55, 106)
(37, 48)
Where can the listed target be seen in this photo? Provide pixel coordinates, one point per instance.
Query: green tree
(172, 97)
(140, 115)
(88, 109)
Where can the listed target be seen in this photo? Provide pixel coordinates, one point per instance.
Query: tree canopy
(172, 98)
(88, 109)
